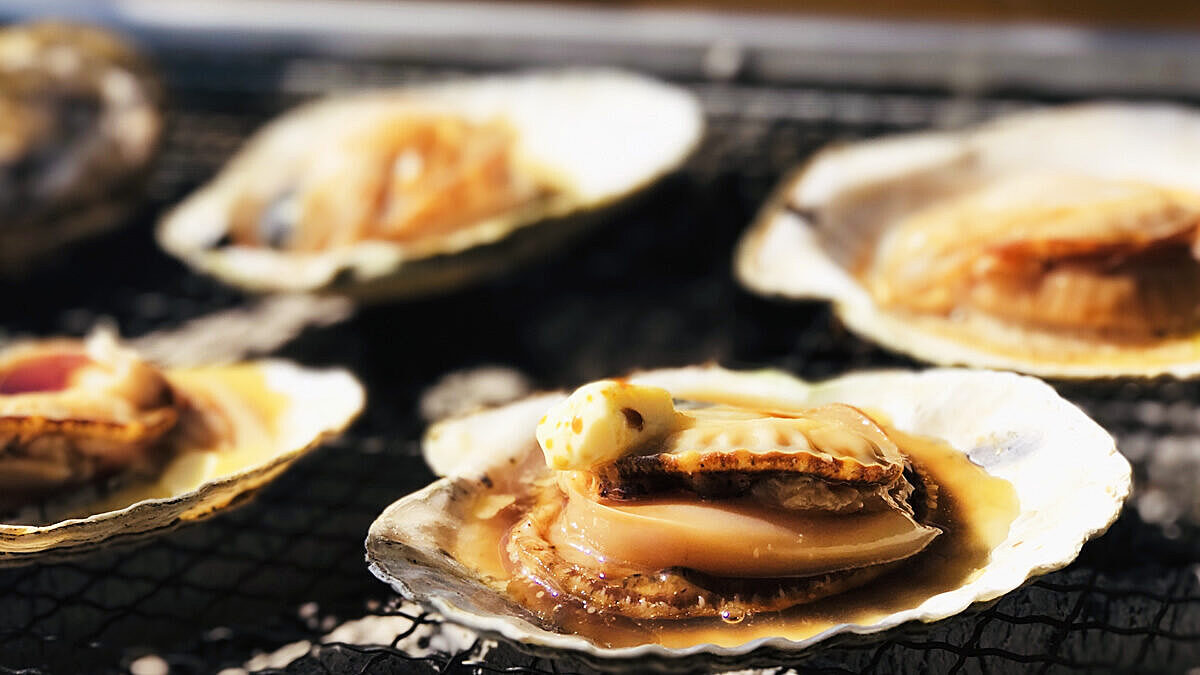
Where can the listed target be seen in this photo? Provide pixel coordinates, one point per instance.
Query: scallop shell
(298, 409)
(70, 173)
(599, 134)
(785, 254)
(1069, 479)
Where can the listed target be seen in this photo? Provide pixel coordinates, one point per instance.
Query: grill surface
(651, 288)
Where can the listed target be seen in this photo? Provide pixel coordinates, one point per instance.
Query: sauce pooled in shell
(674, 524)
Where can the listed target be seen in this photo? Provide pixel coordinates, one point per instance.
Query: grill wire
(650, 288)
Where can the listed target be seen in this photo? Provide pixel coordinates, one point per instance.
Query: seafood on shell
(706, 511)
(96, 442)
(73, 412)
(1062, 242)
(423, 188)
(83, 119)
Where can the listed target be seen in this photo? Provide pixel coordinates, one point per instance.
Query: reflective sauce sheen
(974, 511)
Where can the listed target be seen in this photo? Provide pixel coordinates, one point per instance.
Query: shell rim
(498, 625)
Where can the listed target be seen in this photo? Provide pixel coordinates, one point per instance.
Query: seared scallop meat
(748, 510)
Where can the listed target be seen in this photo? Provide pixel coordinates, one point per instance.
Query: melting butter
(830, 431)
(603, 421)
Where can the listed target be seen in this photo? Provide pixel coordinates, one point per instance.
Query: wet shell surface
(589, 137)
(1068, 478)
(827, 227)
(271, 413)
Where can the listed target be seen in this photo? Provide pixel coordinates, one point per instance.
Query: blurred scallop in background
(82, 120)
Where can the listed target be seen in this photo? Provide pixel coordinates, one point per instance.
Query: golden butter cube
(604, 421)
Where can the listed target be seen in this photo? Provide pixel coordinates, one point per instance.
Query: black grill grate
(651, 288)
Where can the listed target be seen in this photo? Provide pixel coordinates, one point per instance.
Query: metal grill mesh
(651, 288)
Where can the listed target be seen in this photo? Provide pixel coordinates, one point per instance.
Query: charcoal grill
(651, 288)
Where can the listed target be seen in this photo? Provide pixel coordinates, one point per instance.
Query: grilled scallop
(96, 442)
(410, 190)
(819, 495)
(73, 412)
(1060, 242)
(699, 510)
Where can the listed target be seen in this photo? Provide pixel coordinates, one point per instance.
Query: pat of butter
(604, 421)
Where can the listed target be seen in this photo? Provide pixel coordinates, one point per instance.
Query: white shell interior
(1069, 478)
(319, 404)
(782, 253)
(601, 135)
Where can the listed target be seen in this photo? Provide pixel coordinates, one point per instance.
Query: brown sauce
(974, 511)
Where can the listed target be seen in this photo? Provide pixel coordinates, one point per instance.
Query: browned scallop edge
(149, 426)
(638, 475)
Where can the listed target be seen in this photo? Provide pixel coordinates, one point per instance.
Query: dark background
(650, 287)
